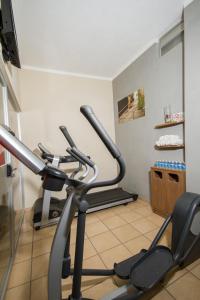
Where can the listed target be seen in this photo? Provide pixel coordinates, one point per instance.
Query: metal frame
(46, 201)
(5, 74)
(62, 235)
(60, 256)
(108, 205)
(9, 95)
(14, 237)
(4, 280)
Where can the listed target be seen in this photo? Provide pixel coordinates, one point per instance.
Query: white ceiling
(92, 37)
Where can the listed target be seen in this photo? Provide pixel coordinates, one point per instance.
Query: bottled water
(166, 164)
(183, 166)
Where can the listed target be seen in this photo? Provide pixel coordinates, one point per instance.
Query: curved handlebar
(43, 149)
(67, 136)
(85, 174)
(62, 159)
(82, 156)
(19, 150)
(81, 161)
(89, 114)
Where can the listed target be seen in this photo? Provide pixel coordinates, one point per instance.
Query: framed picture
(132, 106)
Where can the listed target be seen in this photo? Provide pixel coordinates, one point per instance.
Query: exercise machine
(103, 199)
(143, 271)
(47, 209)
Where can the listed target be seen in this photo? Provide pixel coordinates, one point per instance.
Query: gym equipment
(103, 199)
(145, 270)
(48, 209)
(53, 178)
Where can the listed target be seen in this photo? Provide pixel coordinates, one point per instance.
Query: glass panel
(5, 211)
(17, 198)
(5, 247)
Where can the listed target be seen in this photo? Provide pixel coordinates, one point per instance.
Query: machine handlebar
(19, 150)
(83, 157)
(89, 114)
(67, 136)
(43, 149)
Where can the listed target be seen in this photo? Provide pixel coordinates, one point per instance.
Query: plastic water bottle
(162, 164)
(180, 165)
(183, 166)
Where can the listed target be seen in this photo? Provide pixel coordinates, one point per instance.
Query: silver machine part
(116, 293)
(20, 151)
(45, 221)
(95, 170)
(50, 222)
(94, 177)
(85, 174)
(76, 171)
(45, 208)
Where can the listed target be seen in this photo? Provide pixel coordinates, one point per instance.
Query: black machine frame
(137, 270)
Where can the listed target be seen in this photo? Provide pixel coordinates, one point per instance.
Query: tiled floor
(111, 236)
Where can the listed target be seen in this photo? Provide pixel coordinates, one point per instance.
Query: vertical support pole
(78, 262)
(45, 207)
(66, 260)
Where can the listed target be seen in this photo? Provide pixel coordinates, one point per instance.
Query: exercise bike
(143, 271)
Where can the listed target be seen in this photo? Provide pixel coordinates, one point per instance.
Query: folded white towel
(167, 140)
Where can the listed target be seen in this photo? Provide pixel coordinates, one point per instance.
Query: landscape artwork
(132, 106)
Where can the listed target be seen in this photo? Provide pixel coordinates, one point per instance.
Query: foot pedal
(151, 268)
(122, 269)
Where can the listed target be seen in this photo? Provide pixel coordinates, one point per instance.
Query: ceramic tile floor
(111, 236)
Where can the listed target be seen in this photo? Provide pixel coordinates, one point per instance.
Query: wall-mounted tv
(8, 37)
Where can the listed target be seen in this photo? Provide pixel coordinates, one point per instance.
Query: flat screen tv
(8, 37)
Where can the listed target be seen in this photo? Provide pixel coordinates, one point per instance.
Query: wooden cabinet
(166, 187)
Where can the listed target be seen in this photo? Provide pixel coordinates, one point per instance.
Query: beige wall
(13, 74)
(49, 100)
